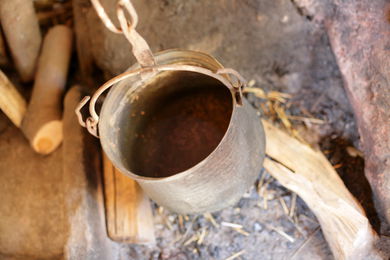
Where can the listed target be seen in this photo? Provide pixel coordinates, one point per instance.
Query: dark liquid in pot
(181, 131)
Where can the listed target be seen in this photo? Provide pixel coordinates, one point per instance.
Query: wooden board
(128, 211)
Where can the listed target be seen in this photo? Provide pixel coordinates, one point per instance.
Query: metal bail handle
(91, 122)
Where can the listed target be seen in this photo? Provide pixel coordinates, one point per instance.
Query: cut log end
(48, 137)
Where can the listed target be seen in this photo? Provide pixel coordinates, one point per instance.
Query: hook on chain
(140, 47)
(90, 123)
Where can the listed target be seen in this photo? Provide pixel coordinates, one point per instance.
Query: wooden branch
(128, 210)
(21, 29)
(309, 174)
(42, 124)
(83, 41)
(11, 102)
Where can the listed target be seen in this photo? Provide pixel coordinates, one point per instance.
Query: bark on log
(42, 124)
(11, 102)
(21, 28)
(359, 33)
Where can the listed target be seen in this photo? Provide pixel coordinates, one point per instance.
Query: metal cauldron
(180, 127)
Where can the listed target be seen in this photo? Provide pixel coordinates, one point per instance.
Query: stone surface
(32, 212)
(359, 34)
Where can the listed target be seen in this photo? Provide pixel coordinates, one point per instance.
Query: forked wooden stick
(308, 173)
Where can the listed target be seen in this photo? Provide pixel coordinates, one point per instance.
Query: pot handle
(91, 123)
(237, 84)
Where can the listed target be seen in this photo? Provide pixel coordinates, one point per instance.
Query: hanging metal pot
(177, 123)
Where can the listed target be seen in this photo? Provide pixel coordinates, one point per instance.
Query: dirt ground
(275, 47)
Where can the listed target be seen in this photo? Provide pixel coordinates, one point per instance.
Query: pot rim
(220, 143)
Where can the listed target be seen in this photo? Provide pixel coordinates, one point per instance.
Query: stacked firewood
(43, 61)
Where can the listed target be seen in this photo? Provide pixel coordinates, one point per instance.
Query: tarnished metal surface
(217, 181)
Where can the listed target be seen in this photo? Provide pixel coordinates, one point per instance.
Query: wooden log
(42, 124)
(309, 174)
(82, 182)
(83, 40)
(21, 29)
(11, 102)
(128, 210)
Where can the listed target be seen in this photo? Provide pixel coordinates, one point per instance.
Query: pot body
(217, 181)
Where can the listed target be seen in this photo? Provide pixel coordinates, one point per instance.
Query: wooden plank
(11, 102)
(128, 210)
(308, 173)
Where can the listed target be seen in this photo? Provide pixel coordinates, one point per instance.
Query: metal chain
(140, 47)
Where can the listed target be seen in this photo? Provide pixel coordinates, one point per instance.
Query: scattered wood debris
(236, 255)
(272, 95)
(284, 206)
(198, 237)
(165, 219)
(210, 218)
(353, 152)
(232, 225)
(201, 236)
(242, 231)
(282, 233)
(293, 205)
